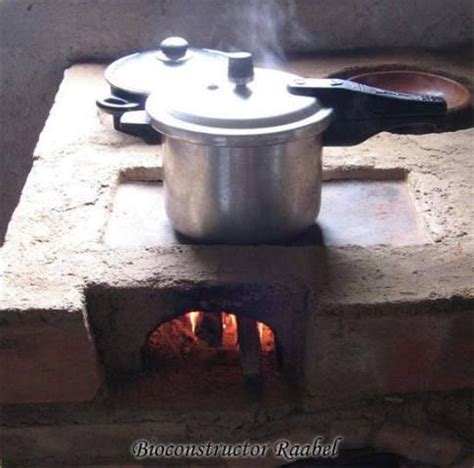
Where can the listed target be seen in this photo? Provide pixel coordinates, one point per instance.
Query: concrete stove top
(382, 317)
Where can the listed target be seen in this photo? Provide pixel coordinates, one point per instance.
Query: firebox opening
(213, 350)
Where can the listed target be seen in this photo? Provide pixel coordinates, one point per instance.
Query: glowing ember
(194, 318)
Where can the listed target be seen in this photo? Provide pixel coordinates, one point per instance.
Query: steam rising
(264, 22)
(261, 27)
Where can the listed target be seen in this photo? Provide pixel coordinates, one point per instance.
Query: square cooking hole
(353, 212)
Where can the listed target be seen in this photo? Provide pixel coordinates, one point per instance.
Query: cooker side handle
(362, 111)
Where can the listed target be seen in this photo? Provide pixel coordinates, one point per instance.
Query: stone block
(363, 354)
(47, 362)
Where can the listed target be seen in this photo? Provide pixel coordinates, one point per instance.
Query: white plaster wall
(39, 38)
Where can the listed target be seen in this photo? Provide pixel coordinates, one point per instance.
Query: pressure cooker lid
(142, 72)
(247, 102)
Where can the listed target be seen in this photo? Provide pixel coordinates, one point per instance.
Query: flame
(267, 338)
(229, 330)
(193, 318)
(232, 321)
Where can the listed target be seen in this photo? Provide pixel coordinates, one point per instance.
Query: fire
(229, 322)
(229, 329)
(267, 339)
(194, 318)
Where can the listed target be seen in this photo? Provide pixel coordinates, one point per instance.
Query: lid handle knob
(174, 47)
(240, 68)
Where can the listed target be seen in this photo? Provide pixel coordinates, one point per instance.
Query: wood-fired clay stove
(373, 330)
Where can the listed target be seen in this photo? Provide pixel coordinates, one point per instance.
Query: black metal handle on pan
(362, 111)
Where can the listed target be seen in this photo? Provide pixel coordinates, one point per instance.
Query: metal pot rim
(308, 127)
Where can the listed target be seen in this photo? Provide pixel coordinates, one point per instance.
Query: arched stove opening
(214, 349)
(152, 357)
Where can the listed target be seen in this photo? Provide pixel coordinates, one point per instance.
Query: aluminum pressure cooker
(242, 149)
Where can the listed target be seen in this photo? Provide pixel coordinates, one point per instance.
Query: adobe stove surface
(373, 326)
(354, 212)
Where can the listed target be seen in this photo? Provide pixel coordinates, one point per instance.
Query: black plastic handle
(129, 117)
(362, 111)
(137, 123)
(116, 106)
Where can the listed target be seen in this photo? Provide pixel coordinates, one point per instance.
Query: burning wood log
(249, 345)
(206, 339)
(171, 344)
(209, 329)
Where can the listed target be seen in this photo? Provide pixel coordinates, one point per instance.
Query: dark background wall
(40, 38)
